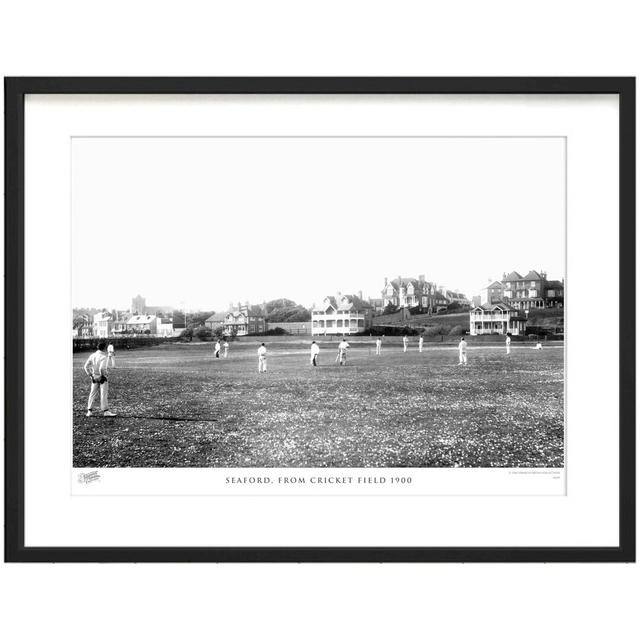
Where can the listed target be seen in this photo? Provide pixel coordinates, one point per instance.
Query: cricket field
(178, 406)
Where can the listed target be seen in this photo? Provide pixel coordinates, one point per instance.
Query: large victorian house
(242, 320)
(412, 292)
(532, 291)
(341, 315)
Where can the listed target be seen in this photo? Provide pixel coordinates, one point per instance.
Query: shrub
(432, 331)
(457, 331)
(203, 333)
(276, 331)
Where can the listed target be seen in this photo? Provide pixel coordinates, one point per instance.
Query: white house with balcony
(340, 315)
(102, 324)
(496, 318)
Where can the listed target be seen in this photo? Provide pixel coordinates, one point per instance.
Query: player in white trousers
(420, 342)
(225, 349)
(341, 358)
(462, 350)
(315, 352)
(216, 349)
(97, 368)
(111, 357)
(262, 359)
(508, 344)
(378, 346)
(405, 342)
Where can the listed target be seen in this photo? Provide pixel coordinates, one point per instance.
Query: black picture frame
(15, 91)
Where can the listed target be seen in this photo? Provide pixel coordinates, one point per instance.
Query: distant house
(164, 327)
(455, 297)
(341, 315)
(102, 325)
(554, 293)
(149, 325)
(83, 326)
(377, 304)
(492, 293)
(496, 318)
(531, 291)
(215, 320)
(414, 292)
(242, 320)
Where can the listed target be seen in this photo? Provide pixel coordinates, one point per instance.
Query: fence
(292, 328)
(130, 342)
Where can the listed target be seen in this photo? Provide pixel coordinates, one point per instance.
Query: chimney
(360, 294)
(386, 281)
(504, 275)
(421, 277)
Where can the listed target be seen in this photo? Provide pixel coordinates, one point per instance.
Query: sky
(203, 222)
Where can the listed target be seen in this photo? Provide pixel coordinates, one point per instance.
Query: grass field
(178, 406)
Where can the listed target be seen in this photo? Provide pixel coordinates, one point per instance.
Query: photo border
(15, 91)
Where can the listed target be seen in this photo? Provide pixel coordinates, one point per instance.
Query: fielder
(405, 342)
(96, 367)
(378, 346)
(341, 358)
(216, 349)
(538, 345)
(462, 349)
(508, 344)
(111, 357)
(262, 358)
(225, 346)
(315, 351)
(420, 341)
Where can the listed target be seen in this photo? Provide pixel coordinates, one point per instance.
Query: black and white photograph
(318, 301)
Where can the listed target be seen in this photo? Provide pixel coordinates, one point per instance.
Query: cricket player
(420, 342)
(378, 346)
(111, 357)
(216, 349)
(262, 358)
(462, 349)
(225, 347)
(538, 345)
(97, 367)
(405, 342)
(508, 344)
(315, 351)
(341, 358)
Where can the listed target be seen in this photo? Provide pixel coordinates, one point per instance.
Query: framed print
(320, 319)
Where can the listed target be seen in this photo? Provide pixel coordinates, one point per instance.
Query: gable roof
(495, 284)
(491, 306)
(533, 275)
(514, 275)
(140, 319)
(344, 303)
(217, 317)
(348, 302)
